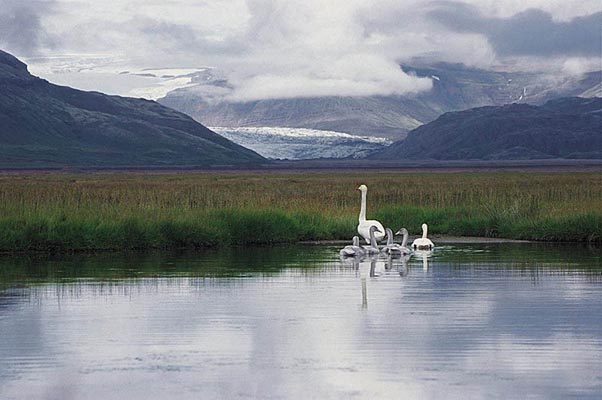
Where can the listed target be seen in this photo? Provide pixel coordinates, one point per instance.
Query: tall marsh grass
(118, 211)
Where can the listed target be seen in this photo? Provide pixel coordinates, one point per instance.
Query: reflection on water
(424, 256)
(464, 321)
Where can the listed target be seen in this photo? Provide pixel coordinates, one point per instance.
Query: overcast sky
(289, 48)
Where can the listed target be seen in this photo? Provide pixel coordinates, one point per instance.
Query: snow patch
(161, 88)
(112, 75)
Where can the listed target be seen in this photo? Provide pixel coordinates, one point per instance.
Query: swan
(373, 248)
(405, 250)
(363, 228)
(423, 243)
(394, 248)
(353, 250)
(391, 247)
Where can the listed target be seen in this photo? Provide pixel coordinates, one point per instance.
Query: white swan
(373, 248)
(423, 243)
(363, 228)
(353, 250)
(395, 249)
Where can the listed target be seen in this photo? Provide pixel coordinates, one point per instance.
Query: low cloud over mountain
(274, 49)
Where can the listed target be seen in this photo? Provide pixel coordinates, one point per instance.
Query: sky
(290, 48)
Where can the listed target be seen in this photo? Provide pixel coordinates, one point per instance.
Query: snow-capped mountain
(301, 144)
(110, 75)
(43, 124)
(165, 80)
(320, 127)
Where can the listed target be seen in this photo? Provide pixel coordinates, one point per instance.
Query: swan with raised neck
(363, 227)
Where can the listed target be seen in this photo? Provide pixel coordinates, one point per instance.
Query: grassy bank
(118, 211)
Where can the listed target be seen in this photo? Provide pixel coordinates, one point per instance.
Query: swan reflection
(370, 265)
(353, 262)
(424, 255)
(403, 265)
(364, 294)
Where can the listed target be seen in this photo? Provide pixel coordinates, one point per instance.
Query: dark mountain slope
(455, 87)
(46, 124)
(561, 128)
(387, 117)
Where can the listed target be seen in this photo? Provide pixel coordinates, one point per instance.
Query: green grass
(59, 212)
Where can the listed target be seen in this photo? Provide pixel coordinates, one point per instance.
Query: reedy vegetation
(127, 211)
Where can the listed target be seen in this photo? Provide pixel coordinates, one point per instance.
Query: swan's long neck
(404, 242)
(389, 237)
(356, 241)
(424, 231)
(373, 239)
(363, 207)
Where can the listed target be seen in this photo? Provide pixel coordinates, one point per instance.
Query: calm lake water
(478, 321)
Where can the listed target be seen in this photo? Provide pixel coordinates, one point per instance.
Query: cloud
(529, 33)
(355, 75)
(21, 29)
(292, 48)
(179, 42)
(311, 48)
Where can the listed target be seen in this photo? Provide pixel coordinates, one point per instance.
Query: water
(479, 321)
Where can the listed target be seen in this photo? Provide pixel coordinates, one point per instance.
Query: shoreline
(323, 166)
(437, 239)
(92, 212)
(444, 239)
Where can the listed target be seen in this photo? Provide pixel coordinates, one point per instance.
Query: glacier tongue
(301, 143)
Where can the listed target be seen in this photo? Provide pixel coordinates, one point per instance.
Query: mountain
(46, 124)
(586, 85)
(561, 128)
(455, 87)
(384, 117)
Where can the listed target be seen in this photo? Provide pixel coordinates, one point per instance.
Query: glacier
(283, 143)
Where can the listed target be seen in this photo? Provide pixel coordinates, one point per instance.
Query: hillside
(42, 124)
(562, 128)
(455, 87)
